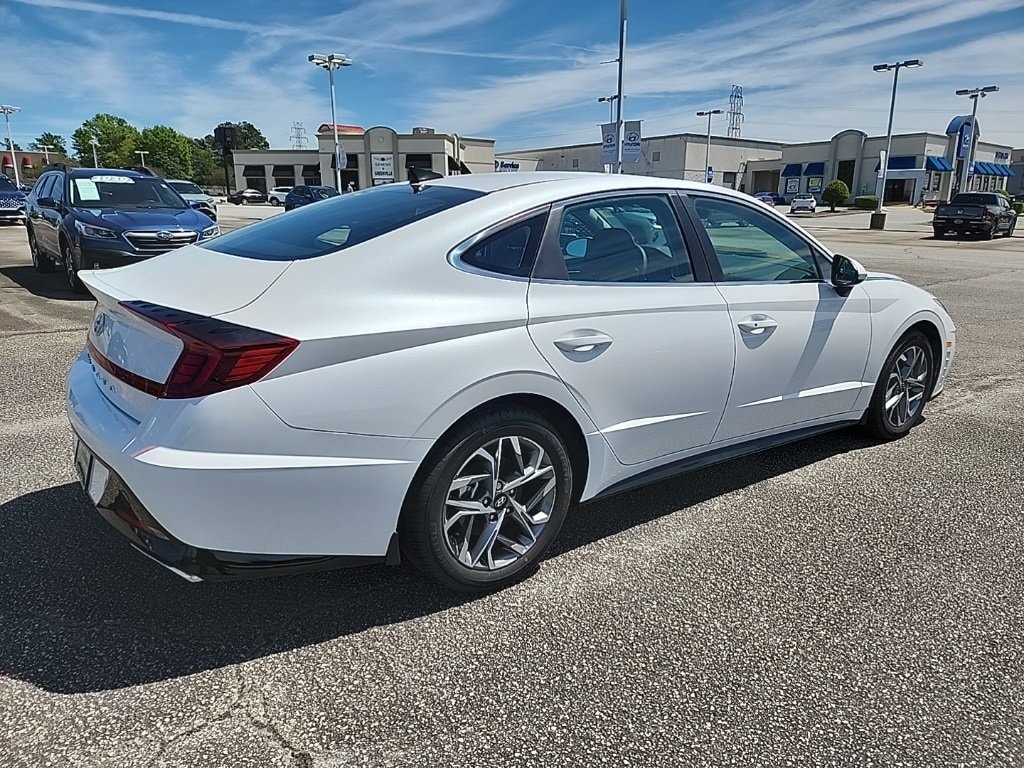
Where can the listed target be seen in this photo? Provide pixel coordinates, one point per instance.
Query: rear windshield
(186, 187)
(339, 223)
(968, 199)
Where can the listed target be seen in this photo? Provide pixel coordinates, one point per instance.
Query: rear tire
(488, 501)
(939, 233)
(40, 260)
(903, 387)
(275, 202)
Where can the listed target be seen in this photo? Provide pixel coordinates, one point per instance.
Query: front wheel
(275, 202)
(40, 260)
(488, 502)
(902, 390)
(74, 282)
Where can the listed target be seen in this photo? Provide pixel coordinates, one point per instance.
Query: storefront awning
(992, 169)
(793, 169)
(899, 163)
(937, 164)
(1002, 170)
(814, 169)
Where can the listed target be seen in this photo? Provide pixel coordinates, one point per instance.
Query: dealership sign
(609, 153)
(506, 166)
(966, 134)
(383, 166)
(814, 184)
(631, 142)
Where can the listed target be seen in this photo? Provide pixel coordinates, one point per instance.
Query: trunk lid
(191, 279)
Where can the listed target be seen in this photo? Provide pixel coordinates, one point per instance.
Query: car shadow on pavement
(49, 286)
(81, 611)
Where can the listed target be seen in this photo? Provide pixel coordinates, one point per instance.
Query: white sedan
(439, 370)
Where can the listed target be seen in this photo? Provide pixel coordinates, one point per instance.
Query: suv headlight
(90, 231)
(209, 232)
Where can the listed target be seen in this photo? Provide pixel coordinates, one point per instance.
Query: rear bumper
(965, 225)
(220, 487)
(121, 508)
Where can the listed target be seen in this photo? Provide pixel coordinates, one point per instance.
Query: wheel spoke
(485, 543)
(520, 515)
(517, 451)
(530, 474)
(461, 482)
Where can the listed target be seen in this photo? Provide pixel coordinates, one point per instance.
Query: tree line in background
(170, 153)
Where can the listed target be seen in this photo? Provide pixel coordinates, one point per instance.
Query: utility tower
(298, 136)
(736, 111)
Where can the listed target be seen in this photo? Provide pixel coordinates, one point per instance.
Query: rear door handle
(757, 325)
(583, 341)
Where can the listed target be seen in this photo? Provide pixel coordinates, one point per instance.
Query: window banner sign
(609, 153)
(631, 142)
(792, 185)
(814, 184)
(966, 134)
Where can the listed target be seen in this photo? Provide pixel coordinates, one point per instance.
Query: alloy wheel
(498, 503)
(905, 388)
(33, 249)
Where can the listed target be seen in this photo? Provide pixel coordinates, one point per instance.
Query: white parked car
(277, 195)
(803, 203)
(438, 371)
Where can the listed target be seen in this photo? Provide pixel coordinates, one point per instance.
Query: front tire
(488, 502)
(902, 389)
(71, 268)
(275, 202)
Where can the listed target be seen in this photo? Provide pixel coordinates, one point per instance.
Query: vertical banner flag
(631, 142)
(609, 155)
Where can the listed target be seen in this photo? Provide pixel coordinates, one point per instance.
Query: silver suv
(803, 203)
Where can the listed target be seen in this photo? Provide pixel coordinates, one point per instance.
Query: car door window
(752, 245)
(57, 190)
(624, 240)
(509, 252)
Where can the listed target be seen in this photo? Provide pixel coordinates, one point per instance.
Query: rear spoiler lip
(91, 279)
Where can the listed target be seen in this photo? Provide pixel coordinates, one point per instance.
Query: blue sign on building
(966, 134)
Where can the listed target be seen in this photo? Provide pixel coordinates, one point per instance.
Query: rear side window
(510, 251)
(340, 222)
(42, 186)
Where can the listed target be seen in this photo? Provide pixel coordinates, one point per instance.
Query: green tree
(51, 140)
(7, 145)
(117, 140)
(205, 162)
(247, 136)
(836, 192)
(170, 152)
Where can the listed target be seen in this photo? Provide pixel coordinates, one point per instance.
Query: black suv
(94, 218)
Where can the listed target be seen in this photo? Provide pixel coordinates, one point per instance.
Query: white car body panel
(398, 343)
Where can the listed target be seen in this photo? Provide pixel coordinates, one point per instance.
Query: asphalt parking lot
(834, 602)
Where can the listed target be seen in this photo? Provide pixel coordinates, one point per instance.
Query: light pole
(910, 64)
(46, 152)
(8, 110)
(142, 156)
(331, 62)
(623, 13)
(707, 153)
(611, 105)
(95, 142)
(975, 95)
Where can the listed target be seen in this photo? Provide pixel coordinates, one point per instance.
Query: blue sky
(524, 72)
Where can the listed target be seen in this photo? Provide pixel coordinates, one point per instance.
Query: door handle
(582, 341)
(757, 325)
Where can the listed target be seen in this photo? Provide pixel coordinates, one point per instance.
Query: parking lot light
(707, 155)
(331, 62)
(884, 164)
(8, 110)
(95, 161)
(975, 95)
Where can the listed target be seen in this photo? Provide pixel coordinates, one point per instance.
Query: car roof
(109, 172)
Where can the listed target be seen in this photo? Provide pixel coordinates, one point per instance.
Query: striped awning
(793, 169)
(937, 164)
(814, 169)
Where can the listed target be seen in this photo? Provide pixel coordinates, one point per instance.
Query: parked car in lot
(803, 203)
(765, 197)
(192, 193)
(246, 196)
(277, 195)
(95, 218)
(304, 195)
(439, 370)
(985, 214)
(12, 202)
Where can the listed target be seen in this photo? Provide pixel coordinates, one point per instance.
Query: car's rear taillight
(217, 355)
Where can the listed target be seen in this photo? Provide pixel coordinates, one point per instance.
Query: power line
(736, 112)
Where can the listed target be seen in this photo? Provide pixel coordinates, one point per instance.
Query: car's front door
(52, 217)
(801, 345)
(631, 325)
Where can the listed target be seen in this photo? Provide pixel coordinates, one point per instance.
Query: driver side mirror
(846, 272)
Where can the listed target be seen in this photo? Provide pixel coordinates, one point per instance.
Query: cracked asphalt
(835, 602)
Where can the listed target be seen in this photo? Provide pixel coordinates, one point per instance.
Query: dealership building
(372, 156)
(927, 164)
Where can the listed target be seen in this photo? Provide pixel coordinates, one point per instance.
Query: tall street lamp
(95, 161)
(142, 156)
(46, 152)
(611, 105)
(708, 113)
(910, 64)
(331, 62)
(8, 110)
(975, 95)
